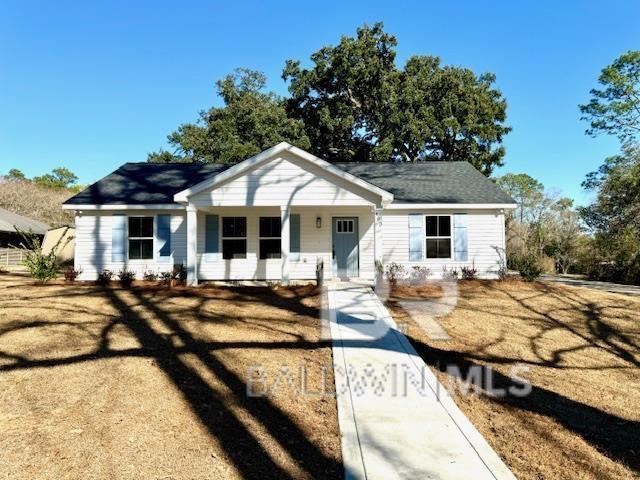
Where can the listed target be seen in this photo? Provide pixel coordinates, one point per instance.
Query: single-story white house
(277, 214)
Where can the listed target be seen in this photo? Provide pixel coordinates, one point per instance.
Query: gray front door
(345, 246)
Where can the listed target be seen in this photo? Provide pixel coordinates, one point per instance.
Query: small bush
(395, 272)
(126, 277)
(70, 274)
(180, 273)
(42, 267)
(150, 276)
(165, 275)
(166, 278)
(419, 275)
(449, 275)
(469, 273)
(529, 267)
(177, 275)
(104, 277)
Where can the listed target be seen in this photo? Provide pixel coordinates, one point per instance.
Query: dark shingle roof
(140, 183)
(428, 182)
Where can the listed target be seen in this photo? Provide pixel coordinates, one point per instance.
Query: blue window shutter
(461, 248)
(118, 237)
(415, 237)
(294, 230)
(164, 237)
(211, 240)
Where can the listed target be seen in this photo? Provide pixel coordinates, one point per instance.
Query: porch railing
(11, 257)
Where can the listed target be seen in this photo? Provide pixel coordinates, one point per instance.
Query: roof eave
(118, 206)
(453, 206)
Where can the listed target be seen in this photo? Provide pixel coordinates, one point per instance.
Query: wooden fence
(11, 257)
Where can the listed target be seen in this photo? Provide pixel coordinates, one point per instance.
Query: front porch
(277, 243)
(289, 190)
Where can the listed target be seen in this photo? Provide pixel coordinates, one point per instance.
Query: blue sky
(91, 85)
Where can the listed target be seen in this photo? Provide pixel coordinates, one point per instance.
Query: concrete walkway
(580, 282)
(396, 420)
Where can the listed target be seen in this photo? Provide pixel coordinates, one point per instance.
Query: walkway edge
(351, 451)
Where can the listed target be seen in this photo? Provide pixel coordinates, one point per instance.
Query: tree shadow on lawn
(209, 404)
(587, 325)
(614, 436)
(594, 332)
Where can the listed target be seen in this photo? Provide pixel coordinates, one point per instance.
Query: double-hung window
(234, 237)
(438, 233)
(140, 238)
(270, 242)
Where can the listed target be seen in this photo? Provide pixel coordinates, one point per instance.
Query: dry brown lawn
(105, 383)
(582, 348)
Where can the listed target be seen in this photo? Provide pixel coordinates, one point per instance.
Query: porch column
(285, 242)
(192, 245)
(377, 222)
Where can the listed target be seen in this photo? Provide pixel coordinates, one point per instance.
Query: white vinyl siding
(485, 240)
(93, 244)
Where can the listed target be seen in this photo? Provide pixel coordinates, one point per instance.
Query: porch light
(318, 222)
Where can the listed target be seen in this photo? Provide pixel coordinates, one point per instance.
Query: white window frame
(279, 237)
(437, 237)
(152, 238)
(223, 238)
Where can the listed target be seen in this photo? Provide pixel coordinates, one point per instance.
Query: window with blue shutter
(164, 237)
(211, 238)
(415, 237)
(294, 229)
(118, 237)
(461, 237)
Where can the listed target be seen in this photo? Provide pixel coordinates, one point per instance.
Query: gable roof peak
(238, 168)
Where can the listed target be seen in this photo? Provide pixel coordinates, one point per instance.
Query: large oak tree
(354, 104)
(357, 105)
(250, 121)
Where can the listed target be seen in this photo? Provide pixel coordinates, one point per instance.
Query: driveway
(396, 420)
(580, 282)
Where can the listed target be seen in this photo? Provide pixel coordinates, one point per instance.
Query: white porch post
(377, 219)
(285, 242)
(192, 245)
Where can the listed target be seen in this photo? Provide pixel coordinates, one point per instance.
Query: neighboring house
(60, 239)
(275, 215)
(9, 237)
